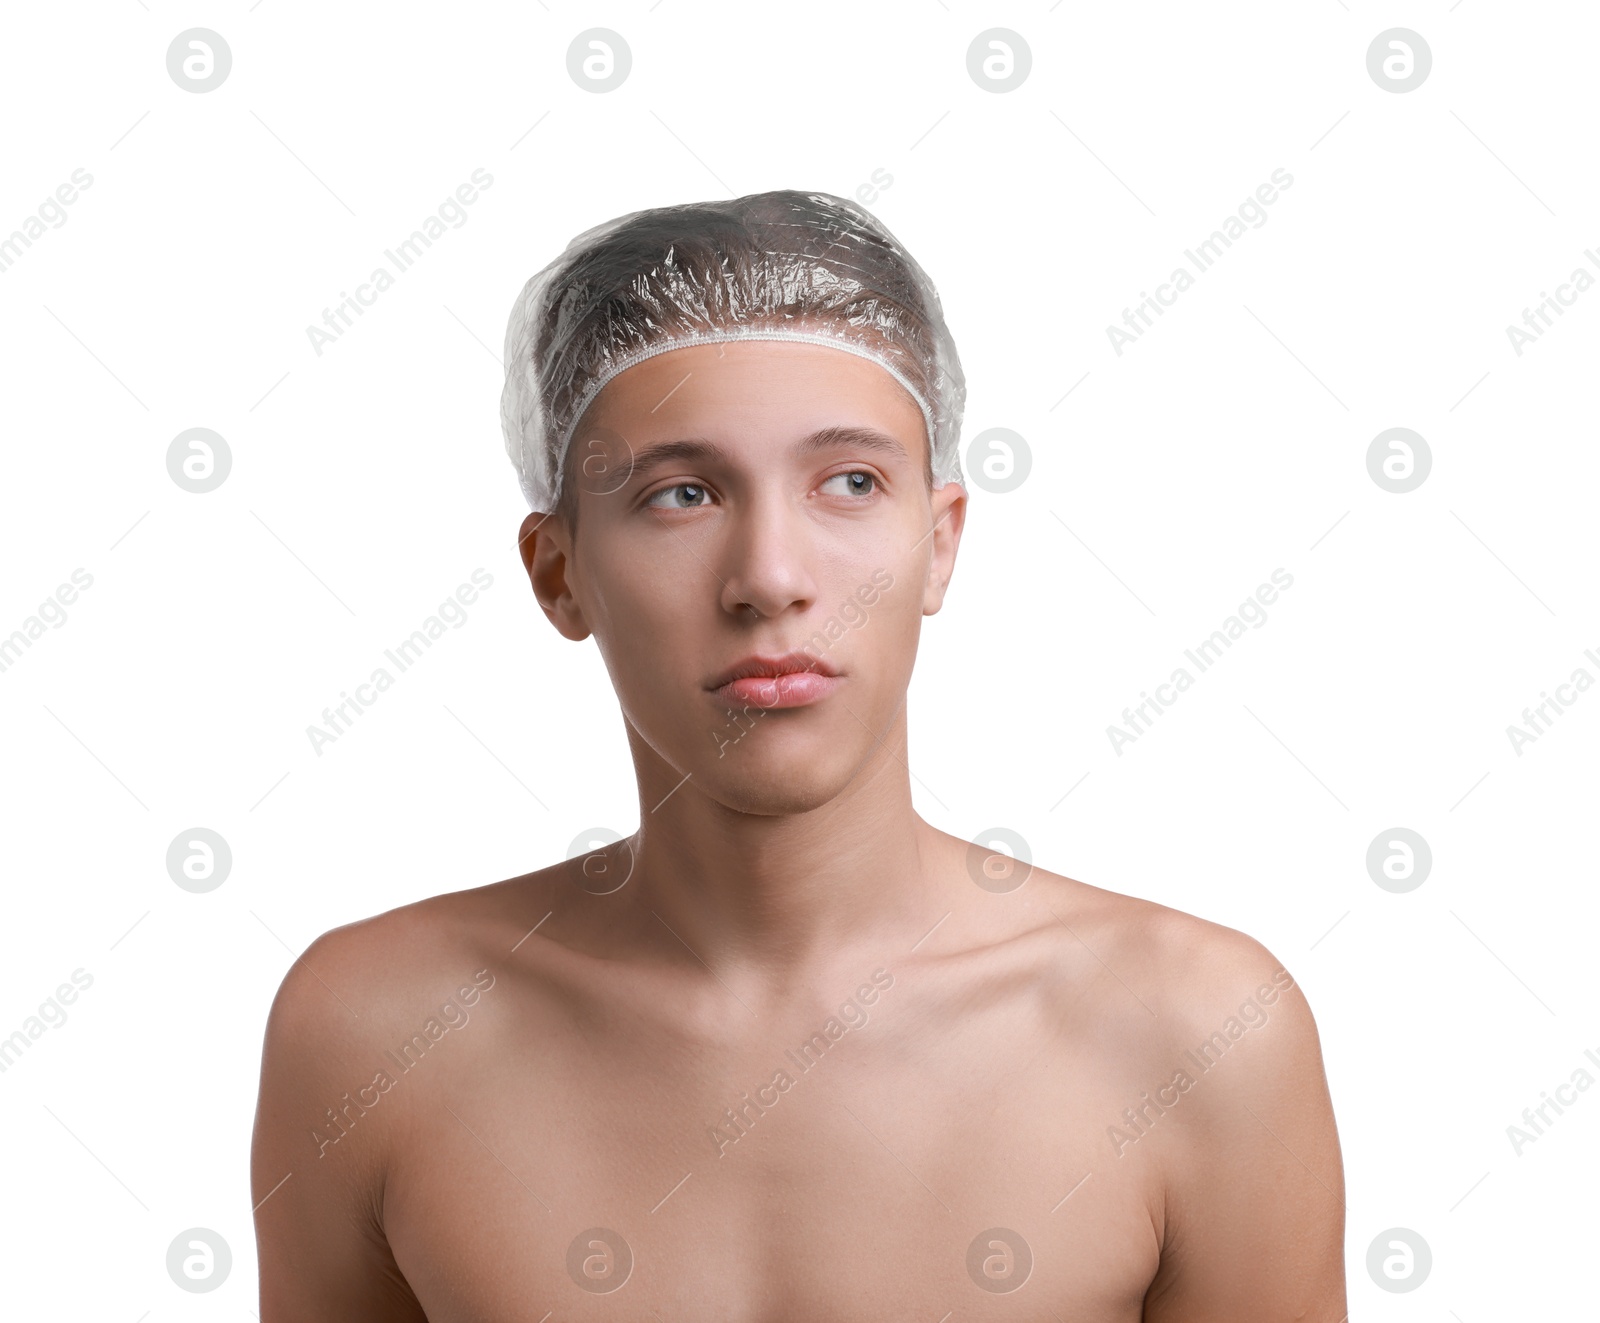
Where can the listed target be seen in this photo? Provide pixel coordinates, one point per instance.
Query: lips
(792, 679)
(772, 666)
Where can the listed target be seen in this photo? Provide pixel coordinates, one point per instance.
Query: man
(789, 1051)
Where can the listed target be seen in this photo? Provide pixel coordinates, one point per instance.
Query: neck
(765, 900)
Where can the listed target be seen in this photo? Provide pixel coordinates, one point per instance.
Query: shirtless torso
(530, 1101)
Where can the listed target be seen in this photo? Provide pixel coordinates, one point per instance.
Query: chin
(783, 797)
(777, 776)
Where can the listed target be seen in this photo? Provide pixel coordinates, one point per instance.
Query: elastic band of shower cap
(747, 333)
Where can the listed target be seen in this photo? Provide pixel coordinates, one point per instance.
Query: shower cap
(783, 265)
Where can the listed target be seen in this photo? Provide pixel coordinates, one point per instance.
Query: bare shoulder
(363, 1006)
(352, 990)
(365, 981)
(318, 1157)
(359, 981)
(1178, 963)
(384, 957)
(1232, 1109)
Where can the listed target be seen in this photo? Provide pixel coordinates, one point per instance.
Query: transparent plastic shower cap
(784, 265)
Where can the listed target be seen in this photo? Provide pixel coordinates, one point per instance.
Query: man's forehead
(652, 454)
(690, 395)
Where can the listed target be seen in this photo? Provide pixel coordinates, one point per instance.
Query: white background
(1167, 483)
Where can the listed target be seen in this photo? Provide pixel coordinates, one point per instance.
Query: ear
(546, 550)
(948, 509)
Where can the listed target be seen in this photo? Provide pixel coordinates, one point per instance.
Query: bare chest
(906, 1165)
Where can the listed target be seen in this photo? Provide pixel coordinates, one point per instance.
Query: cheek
(649, 625)
(634, 594)
(898, 616)
(888, 585)
(879, 626)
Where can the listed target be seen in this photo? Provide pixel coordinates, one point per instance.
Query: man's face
(783, 529)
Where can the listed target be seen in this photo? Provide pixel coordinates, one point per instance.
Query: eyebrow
(828, 438)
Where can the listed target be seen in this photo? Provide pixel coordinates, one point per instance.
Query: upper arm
(317, 1179)
(1255, 1194)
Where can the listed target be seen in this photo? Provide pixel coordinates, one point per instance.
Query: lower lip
(796, 689)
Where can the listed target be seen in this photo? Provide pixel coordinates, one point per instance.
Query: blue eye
(697, 497)
(852, 488)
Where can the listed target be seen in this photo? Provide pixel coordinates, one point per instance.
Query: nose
(766, 558)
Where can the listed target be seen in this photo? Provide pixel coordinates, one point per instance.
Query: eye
(864, 487)
(695, 494)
